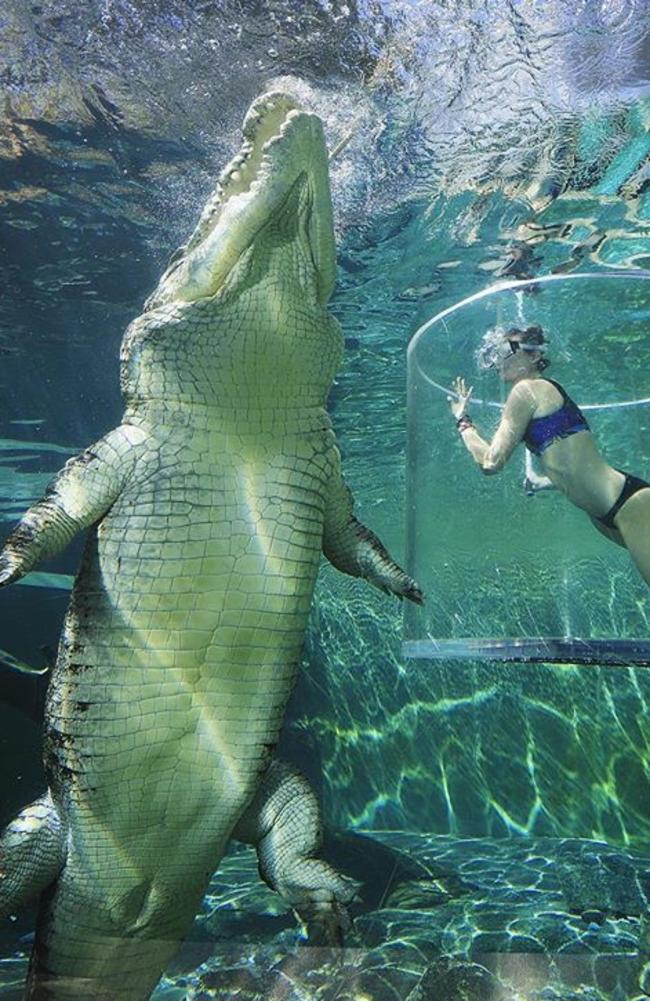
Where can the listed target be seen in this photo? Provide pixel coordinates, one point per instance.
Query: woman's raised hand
(459, 406)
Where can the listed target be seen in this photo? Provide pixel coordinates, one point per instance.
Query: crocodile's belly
(184, 633)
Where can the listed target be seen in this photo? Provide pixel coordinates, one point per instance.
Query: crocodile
(206, 512)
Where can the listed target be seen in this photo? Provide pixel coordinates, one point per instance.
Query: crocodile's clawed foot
(400, 585)
(9, 568)
(327, 924)
(413, 592)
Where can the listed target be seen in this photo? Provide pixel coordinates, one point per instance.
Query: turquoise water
(488, 142)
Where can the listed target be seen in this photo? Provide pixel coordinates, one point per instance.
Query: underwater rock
(450, 978)
(593, 917)
(236, 982)
(604, 881)
(583, 993)
(306, 975)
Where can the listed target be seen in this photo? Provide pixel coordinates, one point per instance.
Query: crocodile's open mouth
(283, 144)
(265, 125)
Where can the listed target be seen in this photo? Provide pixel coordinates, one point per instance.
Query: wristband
(464, 422)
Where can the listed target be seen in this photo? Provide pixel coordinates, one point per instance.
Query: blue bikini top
(562, 423)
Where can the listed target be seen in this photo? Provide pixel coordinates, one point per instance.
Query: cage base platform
(545, 649)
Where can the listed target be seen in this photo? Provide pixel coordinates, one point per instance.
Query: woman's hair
(531, 335)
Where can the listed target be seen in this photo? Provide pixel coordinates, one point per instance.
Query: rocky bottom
(438, 919)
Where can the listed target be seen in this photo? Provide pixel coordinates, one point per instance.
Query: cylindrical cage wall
(510, 576)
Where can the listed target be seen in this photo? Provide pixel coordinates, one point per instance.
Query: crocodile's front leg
(78, 497)
(355, 550)
(283, 822)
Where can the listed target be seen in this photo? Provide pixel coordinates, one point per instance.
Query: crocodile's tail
(85, 963)
(32, 853)
(95, 940)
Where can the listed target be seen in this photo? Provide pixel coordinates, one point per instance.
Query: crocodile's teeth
(273, 104)
(251, 126)
(266, 123)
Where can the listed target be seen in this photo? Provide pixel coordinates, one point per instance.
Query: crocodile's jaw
(282, 145)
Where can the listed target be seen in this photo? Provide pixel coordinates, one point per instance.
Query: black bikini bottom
(631, 486)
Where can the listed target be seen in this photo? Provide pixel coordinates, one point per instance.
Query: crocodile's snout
(282, 145)
(266, 124)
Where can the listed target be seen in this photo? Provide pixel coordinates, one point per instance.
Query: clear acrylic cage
(509, 576)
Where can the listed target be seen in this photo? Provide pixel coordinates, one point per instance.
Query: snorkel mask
(496, 348)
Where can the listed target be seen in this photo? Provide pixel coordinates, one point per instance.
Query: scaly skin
(207, 511)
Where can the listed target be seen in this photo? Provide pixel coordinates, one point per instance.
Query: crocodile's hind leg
(32, 853)
(283, 822)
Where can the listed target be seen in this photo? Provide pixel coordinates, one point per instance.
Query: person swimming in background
(540, 413)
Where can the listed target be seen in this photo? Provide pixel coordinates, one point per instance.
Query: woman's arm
(517, 413)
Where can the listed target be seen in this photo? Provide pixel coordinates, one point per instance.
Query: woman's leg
(633, 522)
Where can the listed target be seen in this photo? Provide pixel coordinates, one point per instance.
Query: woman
(540, 413)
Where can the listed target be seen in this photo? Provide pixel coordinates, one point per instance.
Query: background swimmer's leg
(612, 534)
(633, 522)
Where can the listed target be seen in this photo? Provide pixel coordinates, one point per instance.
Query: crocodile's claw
(327, 924)
(393, 580)
(413, 592)
(10, 569)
